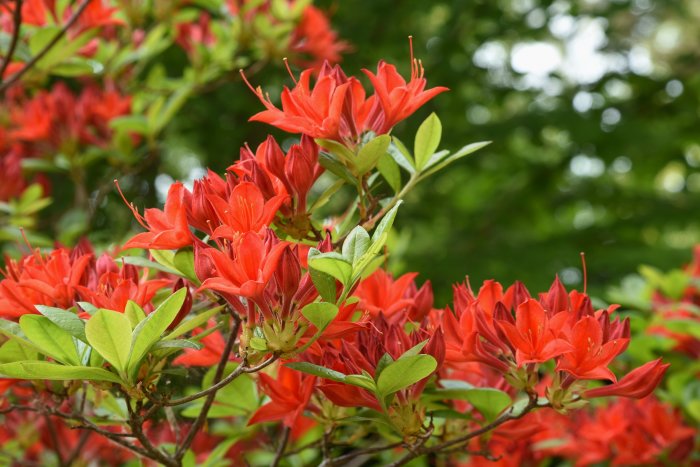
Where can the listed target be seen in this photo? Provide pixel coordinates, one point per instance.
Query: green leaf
(370, 153)
(177, 344)
(165, 258)
(324, 283)
(356, 244)
(383, 362)
(326, 195)
(401, 155)
(55, 372)
(134, 312)
(149, 331)
(341, 152)
(130, 123)
(146, 263)
(42, 37)
(427, 140)
(390, 171)
(66, 320)
(320, 314)
(488, 401)
(77, 66)
(331, 263)
(109, 333)
(405, 372)
(465, 151)
(361, 381)
(194, 322)
(415, 350)
(330, 163)
(51, 339)
(14, 351)
(385, 224)
(184, 262)
(317, 370)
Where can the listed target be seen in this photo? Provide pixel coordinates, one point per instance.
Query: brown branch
(17, 24)
(201, 418)
(27, 66)
(236, 373)
(280, 448)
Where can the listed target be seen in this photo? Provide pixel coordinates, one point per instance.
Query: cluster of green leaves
(109, 347)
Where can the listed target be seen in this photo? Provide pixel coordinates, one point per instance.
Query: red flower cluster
(64, 277)
(512, 333)
(52, 122)
(337, 107)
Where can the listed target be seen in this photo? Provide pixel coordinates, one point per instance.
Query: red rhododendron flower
(167, 229)
(245, 269)
(245, 211)
(534, 336)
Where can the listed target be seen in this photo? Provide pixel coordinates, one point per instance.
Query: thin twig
(27, 66)
(282, 445)
(78, 447)
(17, 24)
(204, 412)
(236, 373)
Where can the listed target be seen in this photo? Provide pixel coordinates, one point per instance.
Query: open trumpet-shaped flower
(533, 335)
(398, 99)
(590, 356)
(245, 210)
(246, 268)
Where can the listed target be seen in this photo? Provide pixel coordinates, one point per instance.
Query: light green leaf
(401, 155)
(341, 152)
(317, 370)
(177, 344)
(320, 314)
(361, 381)
(415, 350)
(145, 263)
(194, 322)
(109, 333)
(356, 244)
(370, 153)
(405, 372)
(331, 263)
(385, 224)
(324, 283)
(330, 163)
(427, 140)
(14, 351)
(51, 339)
(149, 331)
(488, 401)
(184, 262)
(55, 372)
(390, 171)
(326, 195)
(66, 320)
(465, 151)
(134, 312)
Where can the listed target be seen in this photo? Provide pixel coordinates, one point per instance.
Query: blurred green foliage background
(592, 107)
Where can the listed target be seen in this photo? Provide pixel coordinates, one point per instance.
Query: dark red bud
(186, 305)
